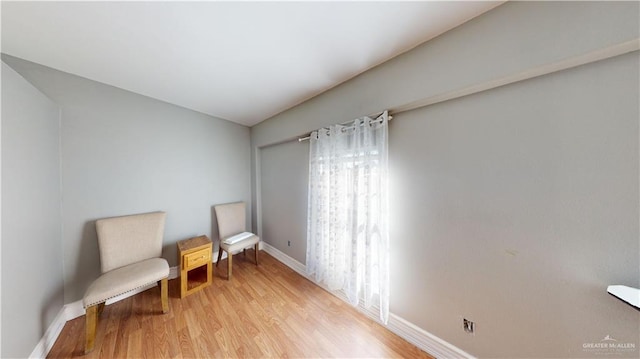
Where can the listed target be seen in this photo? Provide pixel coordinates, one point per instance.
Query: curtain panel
(347, 234)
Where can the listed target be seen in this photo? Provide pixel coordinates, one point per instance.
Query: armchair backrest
(231, 219)
(129, 239)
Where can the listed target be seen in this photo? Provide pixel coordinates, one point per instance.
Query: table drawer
(196, 259)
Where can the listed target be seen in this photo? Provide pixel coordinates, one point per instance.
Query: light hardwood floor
(265, 311)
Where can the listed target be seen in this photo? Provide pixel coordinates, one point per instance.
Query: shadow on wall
(50, 310)
(215, 236)
(87, 263)
(170, 253)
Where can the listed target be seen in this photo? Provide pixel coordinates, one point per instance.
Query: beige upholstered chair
(233, 234)
(130, 249)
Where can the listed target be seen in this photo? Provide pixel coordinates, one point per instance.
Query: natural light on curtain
(347, 235)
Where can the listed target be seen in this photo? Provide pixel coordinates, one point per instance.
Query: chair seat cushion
(237, 238)
(125, 279)
(248, 240)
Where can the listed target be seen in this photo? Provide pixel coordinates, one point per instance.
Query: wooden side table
(195, 260)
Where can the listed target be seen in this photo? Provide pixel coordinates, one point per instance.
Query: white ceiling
(241, 61)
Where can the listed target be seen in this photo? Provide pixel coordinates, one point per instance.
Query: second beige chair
(232, 230)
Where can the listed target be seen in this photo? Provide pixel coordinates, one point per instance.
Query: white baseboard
(174, 272)
(403, 328)
(285, 259)
(73, 310)
(424, 340)
(49, 338)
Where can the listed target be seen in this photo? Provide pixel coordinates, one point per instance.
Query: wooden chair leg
(219, 256)
(164, 294)
(256, 252)
(91, 324)
(230, 261)
(244, 252)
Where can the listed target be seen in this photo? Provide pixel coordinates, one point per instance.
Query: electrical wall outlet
(288, 243)
(468, 326)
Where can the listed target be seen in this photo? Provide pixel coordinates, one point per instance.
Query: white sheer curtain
(347, 235)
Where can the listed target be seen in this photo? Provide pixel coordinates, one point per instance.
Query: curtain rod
(308, 136)
(545, 69)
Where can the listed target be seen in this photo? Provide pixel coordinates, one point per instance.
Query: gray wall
(522, 206)
(514, 207)
(284, 181)
(32, 274)
(124, 153)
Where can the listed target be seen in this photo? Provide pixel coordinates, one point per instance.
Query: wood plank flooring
(265, 311)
